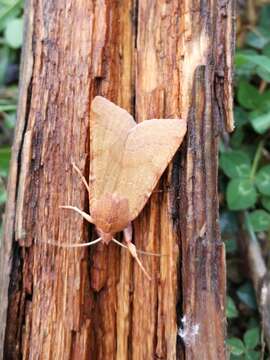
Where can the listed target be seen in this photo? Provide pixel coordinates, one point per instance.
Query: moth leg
(75, 167)
(82, 213)
(132, 248)
(128, 233)
(138, 251)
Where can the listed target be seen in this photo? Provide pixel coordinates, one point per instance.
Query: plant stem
(257, 159)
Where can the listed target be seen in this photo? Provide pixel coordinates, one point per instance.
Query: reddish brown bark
(156, 59)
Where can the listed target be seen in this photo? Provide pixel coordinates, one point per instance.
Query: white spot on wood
(188, 331)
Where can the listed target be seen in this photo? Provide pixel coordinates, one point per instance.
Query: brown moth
(126, 161)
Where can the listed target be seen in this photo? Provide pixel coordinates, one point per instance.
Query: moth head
(110, 215)
(105, 236)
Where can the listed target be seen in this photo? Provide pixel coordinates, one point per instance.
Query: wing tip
(98, 101)
(182, 127)
(100, 104)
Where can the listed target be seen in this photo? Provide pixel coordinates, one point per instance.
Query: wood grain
(156, 59)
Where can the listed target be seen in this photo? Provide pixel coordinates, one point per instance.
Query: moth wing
(149, 148)
(109, 128)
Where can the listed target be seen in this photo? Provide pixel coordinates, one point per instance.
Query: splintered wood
(155, 59)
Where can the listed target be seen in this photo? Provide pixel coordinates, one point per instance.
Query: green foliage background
(11, 31)
(245, 182)
(244, 161)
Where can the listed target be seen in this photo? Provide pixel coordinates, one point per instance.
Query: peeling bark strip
(203, 254)
(93, 303)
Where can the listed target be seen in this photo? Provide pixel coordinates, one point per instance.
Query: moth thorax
(110, 213)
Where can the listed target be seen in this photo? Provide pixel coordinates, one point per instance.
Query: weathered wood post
(156, 59)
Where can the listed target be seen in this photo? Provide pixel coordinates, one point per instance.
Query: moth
(126, 161)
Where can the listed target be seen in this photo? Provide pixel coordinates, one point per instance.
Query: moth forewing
(126, 162)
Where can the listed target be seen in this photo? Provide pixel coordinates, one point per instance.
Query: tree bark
(157, 59)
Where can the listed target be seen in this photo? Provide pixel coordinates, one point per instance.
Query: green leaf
(14, 33)
(241, 194)
(10, 120)
(4, 60)
(257, 38)
(260, 60)
(262, 180)
(266, 50)
(231, 310)
(244, 68)
(252, 338)
(9, 12)
(235, 357)
(236, 346)
(237, 137)
(265, 75)
(4, 161)
(8, 107)
(3, 195)
(240, 117)
(252, 355)
(262, 68)
(235, 164)
(266, 202)
(249, 149)
(246, 294)
(260, 220)
(264, 19)
(264, 103)
(261, 123)
(248, 95)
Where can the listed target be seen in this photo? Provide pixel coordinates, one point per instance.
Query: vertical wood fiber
(157, 59)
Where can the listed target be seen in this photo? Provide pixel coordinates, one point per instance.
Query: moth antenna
(75, 167)
(82, 213)
(132, 249)
(138, 251)
(65, 245)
